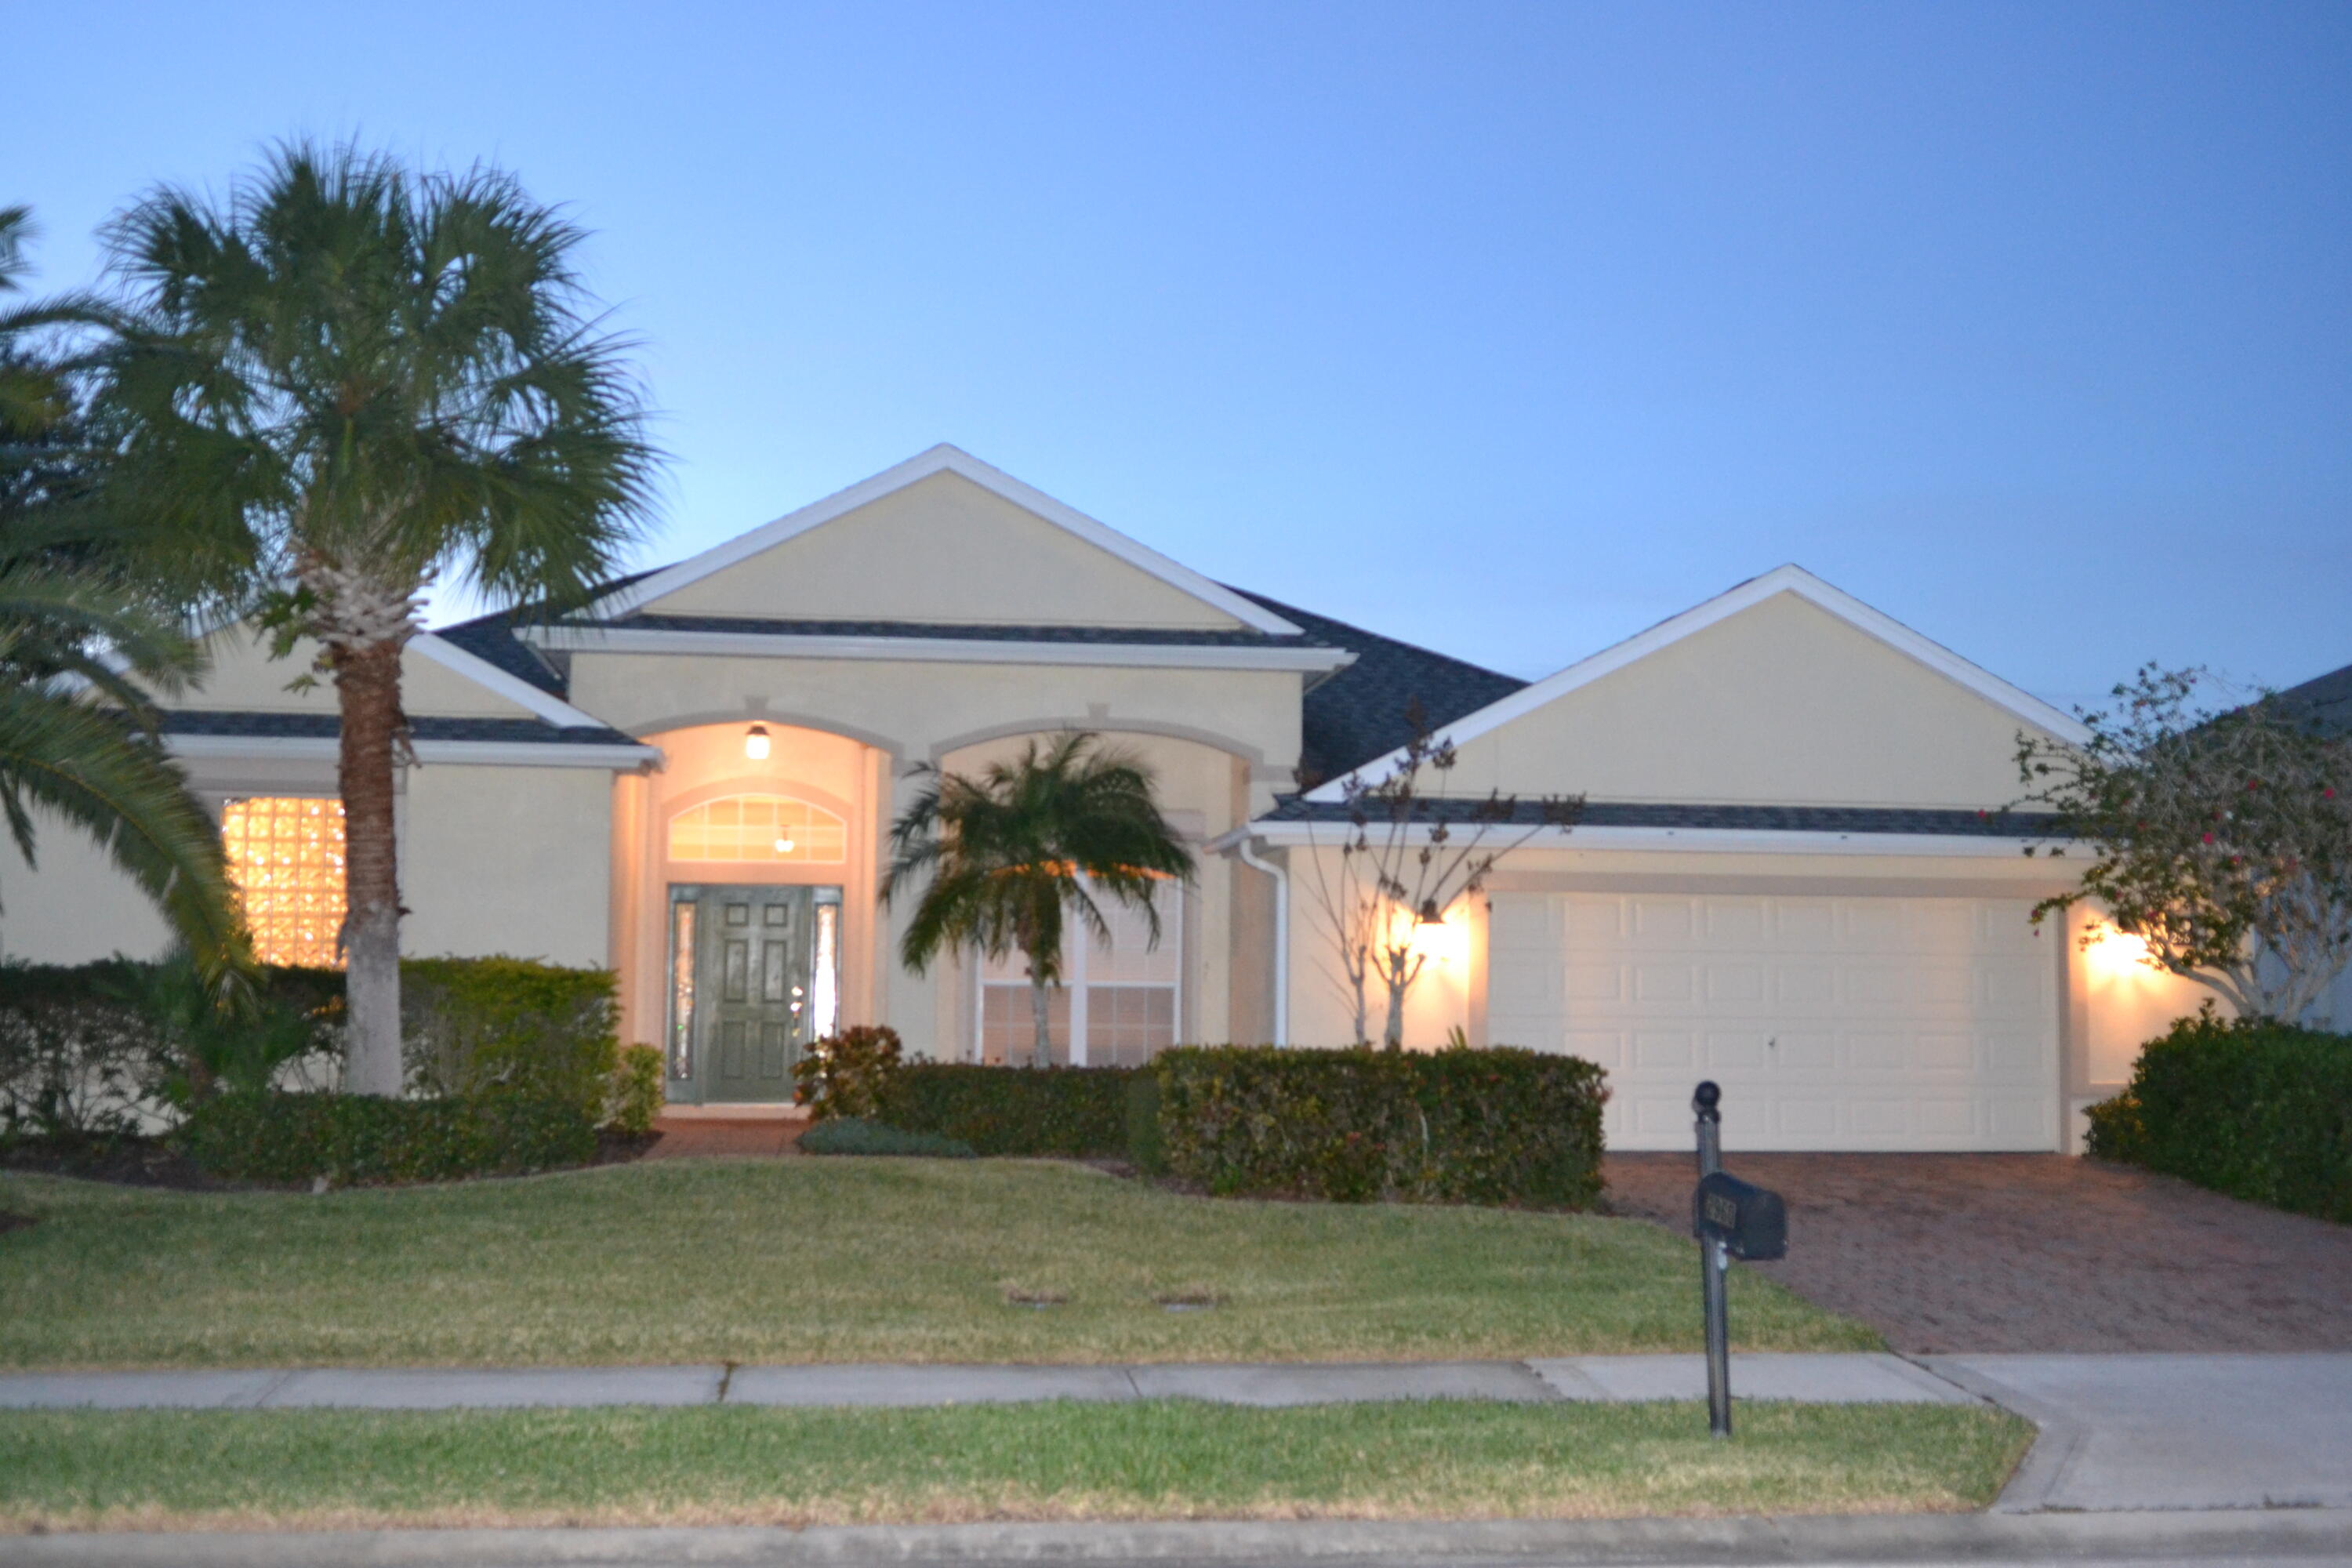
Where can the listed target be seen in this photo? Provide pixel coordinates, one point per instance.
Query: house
(1792, 875)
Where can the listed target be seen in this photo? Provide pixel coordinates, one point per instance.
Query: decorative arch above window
(759, 829)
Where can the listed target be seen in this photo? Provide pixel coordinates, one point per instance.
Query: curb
(1589, 1543)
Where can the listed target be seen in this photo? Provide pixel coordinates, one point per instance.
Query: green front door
(754, 979)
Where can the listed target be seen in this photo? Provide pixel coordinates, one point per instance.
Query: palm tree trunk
(1040, 996)
(367, 681)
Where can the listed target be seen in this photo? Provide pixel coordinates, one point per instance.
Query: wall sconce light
(755, 742)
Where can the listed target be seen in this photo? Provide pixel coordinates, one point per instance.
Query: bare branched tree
(1408, 853)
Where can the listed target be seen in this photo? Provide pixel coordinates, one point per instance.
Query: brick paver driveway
(2032, 1252)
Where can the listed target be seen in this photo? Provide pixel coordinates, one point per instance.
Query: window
(761, 829)
(1117, 1000)
(286, 860)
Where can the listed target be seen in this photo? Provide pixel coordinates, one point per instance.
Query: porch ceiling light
(783, 846)
(755, 742)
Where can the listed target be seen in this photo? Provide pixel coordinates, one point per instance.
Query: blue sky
(1508, 329)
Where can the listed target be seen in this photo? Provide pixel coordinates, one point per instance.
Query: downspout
(1242, 849)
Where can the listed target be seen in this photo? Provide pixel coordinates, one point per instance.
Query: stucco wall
(244, 678)
(1779, 704)
(943, 549)
(71, 906)
(507, 860)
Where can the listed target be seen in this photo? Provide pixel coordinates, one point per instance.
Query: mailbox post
(1731, 1218)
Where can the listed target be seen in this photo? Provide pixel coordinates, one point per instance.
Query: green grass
(832, 1260)
(1164, 1459)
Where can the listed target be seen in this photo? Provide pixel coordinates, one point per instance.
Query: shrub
(1058, 1113)
(471, 1026)
(1501, 1126)
(848, 1073)
(362, 1140)
(73, 1063)
(856, 1135)
(1147, 1149)
(635, 1096)
(2257, 1109)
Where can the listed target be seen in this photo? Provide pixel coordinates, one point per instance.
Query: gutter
(1248, 857)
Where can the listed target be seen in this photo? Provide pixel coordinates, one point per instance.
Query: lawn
(833, 1260)
(1165, 1459)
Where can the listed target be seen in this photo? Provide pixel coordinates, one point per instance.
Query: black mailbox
(1752, 1222)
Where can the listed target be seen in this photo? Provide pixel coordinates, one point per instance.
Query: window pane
(767, 830)
(1127, 1025)
(1008, 1024)
(286, 860)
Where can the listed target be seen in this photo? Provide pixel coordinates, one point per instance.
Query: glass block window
(759, 829)
(1116, 1001)
(286, 859)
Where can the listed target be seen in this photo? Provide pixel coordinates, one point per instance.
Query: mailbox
(1752, 1222)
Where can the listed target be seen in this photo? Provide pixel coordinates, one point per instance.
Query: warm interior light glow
(755, 742)
(759, 827)
(783, 846)
(286, 861)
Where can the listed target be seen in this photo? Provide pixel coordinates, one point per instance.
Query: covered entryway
(755, 978)
(1862, 1022)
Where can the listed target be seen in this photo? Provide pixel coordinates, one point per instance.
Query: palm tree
(340, 384)
(80, 647)
(1009, 852)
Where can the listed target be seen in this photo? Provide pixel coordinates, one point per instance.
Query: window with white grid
(1117, 1000)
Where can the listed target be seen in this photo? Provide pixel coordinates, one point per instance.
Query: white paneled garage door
(1831, 1023)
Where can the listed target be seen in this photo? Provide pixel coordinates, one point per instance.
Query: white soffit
(2021, 704)
(940, 459)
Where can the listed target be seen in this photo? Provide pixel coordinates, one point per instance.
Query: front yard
(1166, 1460)
(833, 1260)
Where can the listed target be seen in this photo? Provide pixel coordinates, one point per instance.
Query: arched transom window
(759, 829)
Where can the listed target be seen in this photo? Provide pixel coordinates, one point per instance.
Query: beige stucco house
(1786, 879)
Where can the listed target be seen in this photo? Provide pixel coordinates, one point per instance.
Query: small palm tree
(343, 383)
(81, 647)
(1009, 853)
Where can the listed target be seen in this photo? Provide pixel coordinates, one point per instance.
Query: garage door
(1831, 1023)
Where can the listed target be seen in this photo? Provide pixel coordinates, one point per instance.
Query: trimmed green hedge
(359, 1140)
(1503, 1126)
(470, 1026)
(1059, 1112)
(2258, 1111)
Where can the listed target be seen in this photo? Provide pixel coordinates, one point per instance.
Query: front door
(755, 979)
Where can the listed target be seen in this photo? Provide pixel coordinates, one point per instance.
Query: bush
(1502, 1126)
(848, 1073)
(636, 1094)
(1146, 1150)
(472, 1026)
(1056, 1112)
(856, 1135)
(77, 1059)
(2259, 1110)
(362, 1140)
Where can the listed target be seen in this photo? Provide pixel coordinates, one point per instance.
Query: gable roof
(2326, 698)
(940, 459)
(1364, 712)
(1794, 580)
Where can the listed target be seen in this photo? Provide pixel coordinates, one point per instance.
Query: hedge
(856, 1135)
(1501, 1126)
(362, 1140)
(1059, 1112)
(469, 1025)
(2258, 1111)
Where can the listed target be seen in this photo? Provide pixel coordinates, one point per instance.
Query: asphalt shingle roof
(1746, 819)
(328, 726)
(2327, 698)
(1359, 713)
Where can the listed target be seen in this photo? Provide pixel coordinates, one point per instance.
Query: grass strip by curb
(1159, 1459)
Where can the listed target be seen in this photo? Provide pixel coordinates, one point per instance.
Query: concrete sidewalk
(1835, 1379)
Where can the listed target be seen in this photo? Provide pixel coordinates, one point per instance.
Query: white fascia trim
(2021, 704)
(479, 753)
(935, 650)
(942, 459)
(1715, 841)
(514, 689)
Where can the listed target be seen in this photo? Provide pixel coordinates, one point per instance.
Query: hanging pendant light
(755, 742)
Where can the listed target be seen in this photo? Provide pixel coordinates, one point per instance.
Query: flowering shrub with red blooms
(2219, 838)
